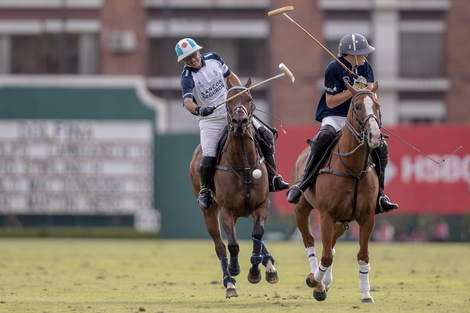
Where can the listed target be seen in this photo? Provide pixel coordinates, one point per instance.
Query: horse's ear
(351, 89)
(375, 87)
(229, 83)
(248, 83)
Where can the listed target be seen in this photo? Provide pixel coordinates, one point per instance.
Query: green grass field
(119, 275)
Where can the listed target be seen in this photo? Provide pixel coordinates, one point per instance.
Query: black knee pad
(382, 152)
(327, 133)
(207, 161)
(323, 139)
(267, 139)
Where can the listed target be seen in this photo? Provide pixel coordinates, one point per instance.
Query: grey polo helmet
(354, 44)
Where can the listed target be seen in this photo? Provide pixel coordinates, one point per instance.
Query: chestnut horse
(345, 189)
(237, 193)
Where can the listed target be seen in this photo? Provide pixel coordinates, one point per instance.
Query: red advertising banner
(413, 180)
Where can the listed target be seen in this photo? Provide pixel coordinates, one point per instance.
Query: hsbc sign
(414, 181)
(418, 184)
(422, 170)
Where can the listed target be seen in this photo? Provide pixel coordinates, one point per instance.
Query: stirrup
(391, 206)
(282, 185)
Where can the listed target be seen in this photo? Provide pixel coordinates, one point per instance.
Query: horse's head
(366, 112)
(240, 109)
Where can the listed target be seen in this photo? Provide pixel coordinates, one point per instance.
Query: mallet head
(281, 10)
(286, 71)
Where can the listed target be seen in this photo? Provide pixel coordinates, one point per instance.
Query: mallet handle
(319, 43)
(254, 86)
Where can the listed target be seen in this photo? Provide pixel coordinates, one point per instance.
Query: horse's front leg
(327, 227)
(268, 261)
(233, 268)
(365, 232)
(261, 254)
(338, 231)
(302, 219)
(211, 219)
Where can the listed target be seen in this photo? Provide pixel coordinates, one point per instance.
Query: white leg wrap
(319, 272)
(270, 267)
(329, 274)
(364, 269)
(312, 258)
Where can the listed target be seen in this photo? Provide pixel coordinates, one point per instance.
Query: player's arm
(336, 99)
(190, 105)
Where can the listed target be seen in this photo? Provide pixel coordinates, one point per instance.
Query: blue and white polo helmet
(185, 47)
(354, 44)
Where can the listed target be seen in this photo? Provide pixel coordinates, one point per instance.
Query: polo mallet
(285, 72)
(283, 11)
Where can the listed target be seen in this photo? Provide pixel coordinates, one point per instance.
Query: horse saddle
(313, 173)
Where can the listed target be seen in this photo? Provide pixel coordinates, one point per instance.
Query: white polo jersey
(206, 85)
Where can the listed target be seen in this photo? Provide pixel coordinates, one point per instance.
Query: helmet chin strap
(357, 62)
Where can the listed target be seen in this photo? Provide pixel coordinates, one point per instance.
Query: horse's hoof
(272, 277)
(309, 282)
(254, 278)
(234, 271)
(319, 296)
(367, 300)
(231, 292)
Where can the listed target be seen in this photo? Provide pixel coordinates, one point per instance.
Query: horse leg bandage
(319, 272)
(364, 269)
(312, 258)
(329, 274)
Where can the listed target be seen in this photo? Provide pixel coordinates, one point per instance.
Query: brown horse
(238, 193)
(345, 189)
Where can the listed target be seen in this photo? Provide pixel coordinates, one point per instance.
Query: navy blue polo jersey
(336, 78)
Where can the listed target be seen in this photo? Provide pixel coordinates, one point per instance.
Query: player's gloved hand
(204, 110)
(360, 83)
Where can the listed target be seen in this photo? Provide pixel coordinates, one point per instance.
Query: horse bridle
(361, 136)
(240, 108)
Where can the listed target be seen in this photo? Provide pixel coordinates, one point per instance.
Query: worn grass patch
(166, 276)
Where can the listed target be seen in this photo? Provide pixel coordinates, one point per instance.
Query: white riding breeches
(337, 122)
(210, 128)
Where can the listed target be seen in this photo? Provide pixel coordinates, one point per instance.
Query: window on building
(53, 54)
(23, 54)
(421, 55)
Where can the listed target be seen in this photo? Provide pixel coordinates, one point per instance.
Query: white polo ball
(257, 173)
